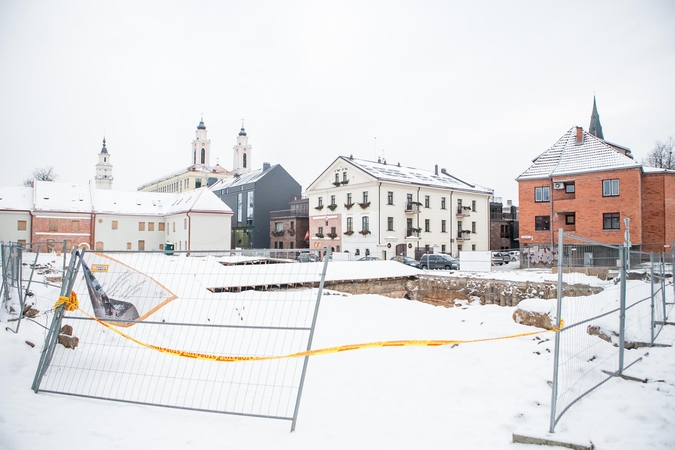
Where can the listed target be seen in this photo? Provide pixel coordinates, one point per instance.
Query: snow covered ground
(471, 396)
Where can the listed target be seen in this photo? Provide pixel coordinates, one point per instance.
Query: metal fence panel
(215, 304)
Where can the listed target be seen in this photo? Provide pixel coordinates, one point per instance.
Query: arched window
(203, 155)
(194, 157)
(244, 161)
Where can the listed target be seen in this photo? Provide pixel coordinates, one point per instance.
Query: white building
(377, 209)
(101, 219)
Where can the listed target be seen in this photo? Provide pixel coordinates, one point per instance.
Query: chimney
(580, 135)
(444, 171)
(509, 202)
(266, 166)
(436, 171)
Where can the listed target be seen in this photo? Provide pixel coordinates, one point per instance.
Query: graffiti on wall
(541, 255)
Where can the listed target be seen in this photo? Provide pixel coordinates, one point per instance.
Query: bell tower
(201, 146)
(104, 177)
(241, 152)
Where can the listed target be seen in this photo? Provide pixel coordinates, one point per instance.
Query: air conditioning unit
(558, 185)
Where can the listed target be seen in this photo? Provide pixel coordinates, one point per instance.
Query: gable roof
(16, 198)
(241, 179)
(569, 157)
(410, 175)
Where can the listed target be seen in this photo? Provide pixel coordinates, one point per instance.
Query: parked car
(407, 261)
(307, 257)
(514, 254)
(499, 258)
(369, 258)
(439, 261)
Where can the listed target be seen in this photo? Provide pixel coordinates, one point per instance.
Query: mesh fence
(606, 333)
(173, 317)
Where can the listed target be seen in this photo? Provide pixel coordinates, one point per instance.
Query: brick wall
(64, 231)
(586, 203)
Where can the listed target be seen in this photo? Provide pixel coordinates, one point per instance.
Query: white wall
(210, 231)
(9, 226)
(127, 231)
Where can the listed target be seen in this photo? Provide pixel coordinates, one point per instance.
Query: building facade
(375, 209)
(503, 225)
(289, 228)
(252, 196)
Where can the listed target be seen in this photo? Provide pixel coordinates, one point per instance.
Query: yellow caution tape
(70, 302)
(323, 351)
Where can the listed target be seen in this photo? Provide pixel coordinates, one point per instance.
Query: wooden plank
(520, 439)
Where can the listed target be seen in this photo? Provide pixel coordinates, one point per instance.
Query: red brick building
(588, 187)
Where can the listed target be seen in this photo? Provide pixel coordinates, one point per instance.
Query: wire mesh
(231, 303)
(606, 333)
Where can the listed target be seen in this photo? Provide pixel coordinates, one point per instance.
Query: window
(610, 188)
(443, 228)
(504, 231)
(160, 226)
(151, 226)
(442, 202)
(459, 226)
(114, 224)
(332, 199)
(333, 230)
(281, 245)
(390, 224)
(408, 198)
(473, 247)
(569, 188)
(473, 206)
(344, 177)
(365, 223)
(541, 194)
(367, 252)
(473, 227)
(357, 252)
(128, 245)
(320, 231)
(459, 203)
(320, 201)
(390, 198)
(349, 199)
(443, 248)
(365, 196)
(459, 248)
(173, 226)
(74, 226)
(570, 219)
(350, 224)
(198, 183)
(141, 226)
(141, 245)
(276, 244)
(337, 178)
(426, 201)
(249, 209)
(610, 221)
(278, 226)
(427, 225)
(53, 225)
(542, 223)
(21, 225)
(240, 210)
(292, 225)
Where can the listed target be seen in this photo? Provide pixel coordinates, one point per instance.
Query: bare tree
(41, 174)
(662, 155)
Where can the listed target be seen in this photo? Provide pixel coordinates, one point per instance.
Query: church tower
(242, 152)
(595, 128)
(104, 177)
(201, 146)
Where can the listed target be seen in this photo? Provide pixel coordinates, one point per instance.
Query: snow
(470, 396)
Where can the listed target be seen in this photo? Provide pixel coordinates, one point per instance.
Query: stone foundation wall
(450, 291)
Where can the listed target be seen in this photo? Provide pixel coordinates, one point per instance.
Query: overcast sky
(479, 88)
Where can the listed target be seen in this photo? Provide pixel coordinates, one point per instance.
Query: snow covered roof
(16, 198)
(198, 200)
(65, 197)
(61, 197)
(199, 168)
(410, 175)
(240, 179)
(567, 156)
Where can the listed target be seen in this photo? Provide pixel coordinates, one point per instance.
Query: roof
(201, 168)
(410, 175)
(16, 198)
(569, 157)
(64, 197)
(241, 179)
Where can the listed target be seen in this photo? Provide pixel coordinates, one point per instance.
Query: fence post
(662, 259)
(556, 355)
(651, 277)
(622, 301)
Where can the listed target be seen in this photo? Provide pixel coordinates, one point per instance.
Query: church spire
(595, 128)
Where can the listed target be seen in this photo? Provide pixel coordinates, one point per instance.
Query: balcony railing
(464, 211)
(463, 236)
(412, 233)
(412, 208)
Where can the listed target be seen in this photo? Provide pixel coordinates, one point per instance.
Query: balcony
(464, 236)
(463, 211)
(412, 232)
(413, 207)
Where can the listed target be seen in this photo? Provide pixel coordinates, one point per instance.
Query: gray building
(252, 195)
